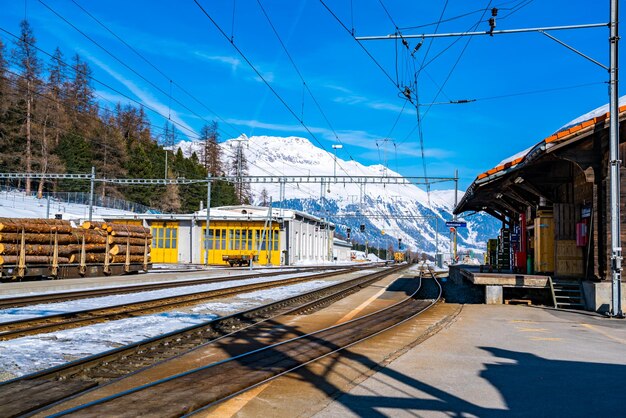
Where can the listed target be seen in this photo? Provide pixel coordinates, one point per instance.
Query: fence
(77, 198)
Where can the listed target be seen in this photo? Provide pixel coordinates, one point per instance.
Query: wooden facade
(562, 181)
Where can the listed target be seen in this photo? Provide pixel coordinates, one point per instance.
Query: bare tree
(25, 58)
(239, 168)
(210, 152)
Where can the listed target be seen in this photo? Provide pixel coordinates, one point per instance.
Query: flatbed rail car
(238, 259)
(51, 248)
(69, 271)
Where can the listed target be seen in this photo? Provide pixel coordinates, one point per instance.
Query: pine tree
(264, 198)
(25, 59)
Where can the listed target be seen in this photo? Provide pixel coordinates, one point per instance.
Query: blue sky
(361, 103)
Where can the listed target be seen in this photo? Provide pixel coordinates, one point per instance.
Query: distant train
(398, 257)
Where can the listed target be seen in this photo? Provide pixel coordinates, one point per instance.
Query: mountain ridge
(388, 212)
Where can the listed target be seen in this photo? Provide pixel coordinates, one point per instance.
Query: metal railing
(77, 198)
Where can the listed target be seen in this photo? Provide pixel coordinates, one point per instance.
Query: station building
(554, 203)
(270, 236)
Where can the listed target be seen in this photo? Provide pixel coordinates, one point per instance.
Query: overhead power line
(157, 69)
(258, 73)
(304, 83)
(127, 66)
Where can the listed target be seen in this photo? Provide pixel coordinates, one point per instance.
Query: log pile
(26, 241)
(37, 238)
(127, 243)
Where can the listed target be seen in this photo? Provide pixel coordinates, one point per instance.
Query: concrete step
(578, 306)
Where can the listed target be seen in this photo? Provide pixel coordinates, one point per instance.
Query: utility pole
(456, 202)
(207, 222)
(335, 148)
(615, 163)
(91, 187)
(239, 166)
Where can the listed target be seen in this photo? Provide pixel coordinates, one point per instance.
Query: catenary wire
(157, 69)
(126, 65)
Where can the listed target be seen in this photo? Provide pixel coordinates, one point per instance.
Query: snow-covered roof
(583, 124)
(231, 213)
(341, 243)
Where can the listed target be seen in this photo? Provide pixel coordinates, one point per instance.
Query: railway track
(51, 323)
(108, 291)
(43, 388)
(204, 387)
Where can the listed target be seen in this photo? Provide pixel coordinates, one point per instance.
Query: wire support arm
(488, 33)
(587, 57)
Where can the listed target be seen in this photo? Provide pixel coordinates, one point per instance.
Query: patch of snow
(17, 204)
(30, 354)
(32, 311)
(592, 114)
(516, 156)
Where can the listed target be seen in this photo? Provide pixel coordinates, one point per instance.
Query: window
(160, 240)
(218, 239)
(223, 239)
(231, 239)
(167, 241)
(209, 244)
(249, 240)
(237, 239)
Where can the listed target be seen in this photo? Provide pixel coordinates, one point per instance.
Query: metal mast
(616, 246)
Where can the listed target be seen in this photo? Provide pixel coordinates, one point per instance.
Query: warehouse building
(553, 201)
(269, 236)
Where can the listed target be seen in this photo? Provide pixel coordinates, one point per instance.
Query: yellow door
(237, 239)
(165, 242)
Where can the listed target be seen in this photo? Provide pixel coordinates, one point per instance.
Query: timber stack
(31, 242)
(128, 243)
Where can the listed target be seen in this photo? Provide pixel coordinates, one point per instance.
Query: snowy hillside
(17, 204)
(388, 212)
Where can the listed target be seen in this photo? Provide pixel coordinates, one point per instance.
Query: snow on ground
(23, 312)
(78, 288)
(30, 354)
(16, 204)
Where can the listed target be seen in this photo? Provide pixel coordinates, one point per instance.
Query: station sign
(456, 224)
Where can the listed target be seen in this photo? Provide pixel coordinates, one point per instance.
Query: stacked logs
(128, 243)
(98, 241)
(39, 237)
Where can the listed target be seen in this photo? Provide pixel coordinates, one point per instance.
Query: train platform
(459, 360)
(499, 360)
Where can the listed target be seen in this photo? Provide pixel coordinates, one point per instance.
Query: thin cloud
(354, 99)
(144, 97)
(233, 62)
(268, 76)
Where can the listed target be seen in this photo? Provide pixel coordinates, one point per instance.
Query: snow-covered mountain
(388, 212)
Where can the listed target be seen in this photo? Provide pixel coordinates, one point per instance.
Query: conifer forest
(53, 121)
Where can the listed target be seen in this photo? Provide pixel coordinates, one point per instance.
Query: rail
(253, 368)
(67, 320)
(18, 301)
(74, 377)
